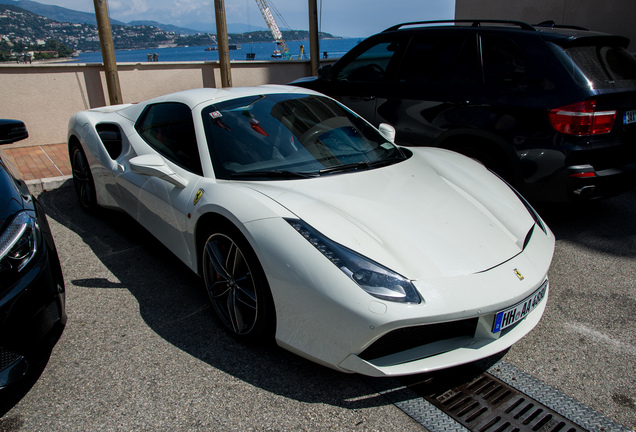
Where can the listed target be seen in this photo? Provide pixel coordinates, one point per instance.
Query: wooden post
(108, 52)
(314, 44)
(224, 48)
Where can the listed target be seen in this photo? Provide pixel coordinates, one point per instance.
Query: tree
(54, 45)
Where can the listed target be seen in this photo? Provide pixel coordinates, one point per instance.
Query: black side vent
(111, 138)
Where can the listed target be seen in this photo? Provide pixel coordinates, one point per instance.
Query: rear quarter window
(599, 67)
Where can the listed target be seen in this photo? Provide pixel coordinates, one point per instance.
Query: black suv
(551, 109)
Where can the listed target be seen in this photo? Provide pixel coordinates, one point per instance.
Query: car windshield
(284, 136)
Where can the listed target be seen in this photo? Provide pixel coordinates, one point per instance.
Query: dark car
(550, 109)
(32, 295)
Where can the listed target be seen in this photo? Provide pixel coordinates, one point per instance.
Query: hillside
(64, 15)
(24, 31)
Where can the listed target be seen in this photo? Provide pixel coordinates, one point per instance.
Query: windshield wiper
(278, 174)
(345, 167)
(363, 165)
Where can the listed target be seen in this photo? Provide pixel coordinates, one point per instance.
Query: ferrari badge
(198, 196)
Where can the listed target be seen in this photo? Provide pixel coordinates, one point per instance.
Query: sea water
(332, 48)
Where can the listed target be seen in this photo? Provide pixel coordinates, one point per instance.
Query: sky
(346, 18)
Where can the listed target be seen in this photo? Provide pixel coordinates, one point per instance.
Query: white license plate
(629, 117)
(516, 313)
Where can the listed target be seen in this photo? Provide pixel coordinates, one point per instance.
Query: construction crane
(283, 50)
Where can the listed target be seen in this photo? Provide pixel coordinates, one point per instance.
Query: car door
(161, 206)
(359, 79)
(436, 85)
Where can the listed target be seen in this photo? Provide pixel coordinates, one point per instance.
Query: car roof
(195, 97)
(564, 35)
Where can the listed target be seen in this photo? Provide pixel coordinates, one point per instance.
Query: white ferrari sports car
(309, 226)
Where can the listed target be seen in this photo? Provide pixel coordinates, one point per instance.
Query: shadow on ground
(173, 303)
(605, 226)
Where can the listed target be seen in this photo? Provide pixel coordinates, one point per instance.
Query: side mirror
(12, 131)
(154, 165)
(387, 131)
(324, 72)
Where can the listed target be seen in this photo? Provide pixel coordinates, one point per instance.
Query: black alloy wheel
(237, 287)
(83, 179)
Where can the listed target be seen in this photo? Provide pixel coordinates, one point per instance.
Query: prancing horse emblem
(517, 272)
(198, 196)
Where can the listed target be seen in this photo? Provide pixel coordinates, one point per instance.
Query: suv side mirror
(12, 131)
(324, 72)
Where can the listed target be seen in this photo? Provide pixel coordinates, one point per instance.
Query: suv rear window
(600, 67)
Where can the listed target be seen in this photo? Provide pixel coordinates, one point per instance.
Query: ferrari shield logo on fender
(517, 272)
(198, 196)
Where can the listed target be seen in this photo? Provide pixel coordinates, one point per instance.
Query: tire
(237, 286)
(83, 179)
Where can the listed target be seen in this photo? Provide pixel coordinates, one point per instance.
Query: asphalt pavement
(142, 351)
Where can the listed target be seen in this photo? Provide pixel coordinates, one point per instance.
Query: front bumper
(323, 317)
(33, 316)
(449, 352)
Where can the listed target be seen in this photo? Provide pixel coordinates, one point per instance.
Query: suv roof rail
(553, 24)
(474, 23)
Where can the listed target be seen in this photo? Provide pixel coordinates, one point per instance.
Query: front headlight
(19, 242)
(372, 277)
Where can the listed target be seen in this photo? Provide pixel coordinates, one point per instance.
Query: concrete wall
(610, 16)
(45, 95)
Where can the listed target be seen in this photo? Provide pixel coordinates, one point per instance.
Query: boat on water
(232, 47)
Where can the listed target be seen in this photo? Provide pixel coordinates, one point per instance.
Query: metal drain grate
(489, 405)
(489, 396)
(483, 403)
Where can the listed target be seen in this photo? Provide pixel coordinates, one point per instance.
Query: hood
(437, 214)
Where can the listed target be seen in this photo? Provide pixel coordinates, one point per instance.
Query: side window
(169, 129)
(371, 65)
(445, 60)
(504, 62)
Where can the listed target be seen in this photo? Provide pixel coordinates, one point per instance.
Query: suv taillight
(581, 118)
